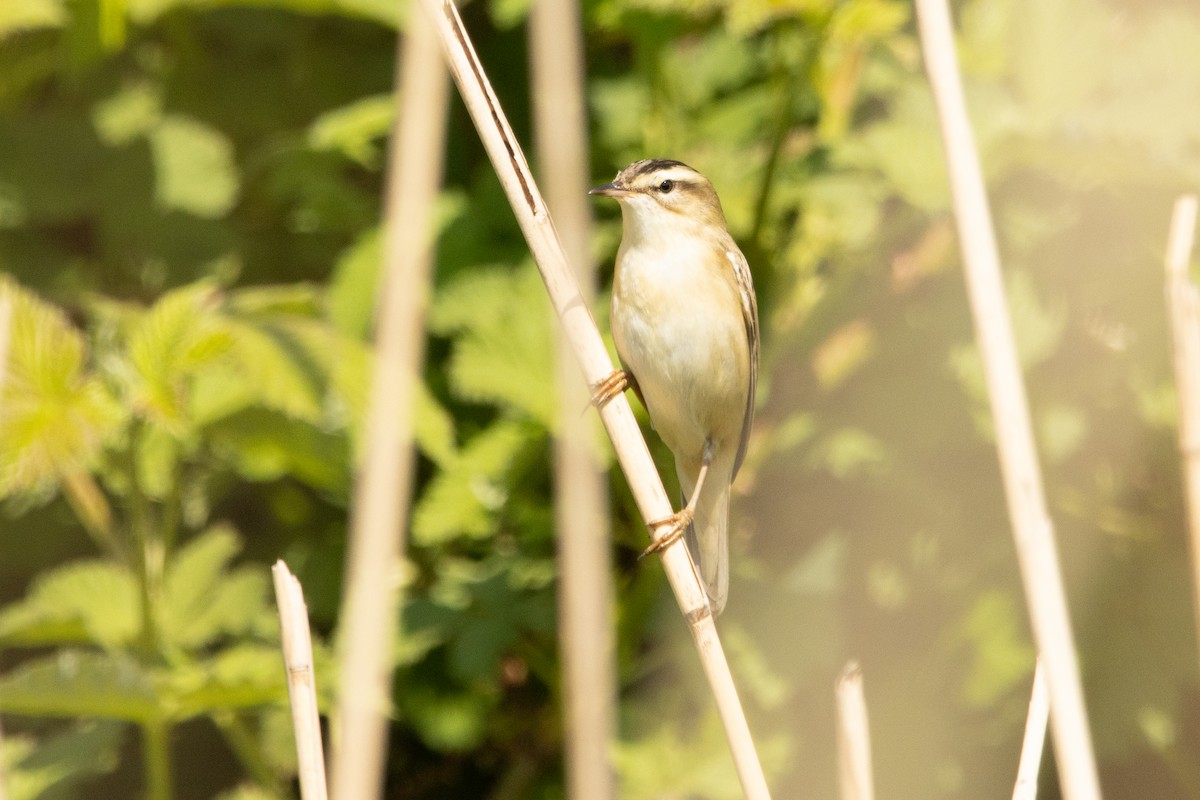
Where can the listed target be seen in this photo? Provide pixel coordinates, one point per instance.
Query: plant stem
(147, 541)
(241, 740)
(156, 757)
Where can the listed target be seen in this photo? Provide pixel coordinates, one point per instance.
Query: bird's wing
(745, 285)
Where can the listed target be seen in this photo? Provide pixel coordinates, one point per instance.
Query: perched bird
(685, 322)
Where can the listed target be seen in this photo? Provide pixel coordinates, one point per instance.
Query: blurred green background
(189, 209)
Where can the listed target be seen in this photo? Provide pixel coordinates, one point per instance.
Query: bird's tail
(707, 536)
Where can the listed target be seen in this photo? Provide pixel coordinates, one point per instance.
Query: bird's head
(657, 192)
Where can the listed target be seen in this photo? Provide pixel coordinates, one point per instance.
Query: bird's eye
(666, 186)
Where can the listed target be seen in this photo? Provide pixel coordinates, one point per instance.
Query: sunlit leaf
(196, 170)
(503, 348)
(21, 15)
(92, 601)
(242, 676)
(355, 130)
(463, 499)
(79, 683)
(204, 598)
(172, 341)
(55, 415)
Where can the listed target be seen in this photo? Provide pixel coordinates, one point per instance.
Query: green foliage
(190, 231)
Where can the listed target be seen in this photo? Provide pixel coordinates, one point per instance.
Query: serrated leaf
(204, 599)
(56, 415)
(93, 601)
(434, 429)
(503, 350)
(172, 341)
(242, 676)
(52, 767)
(462, 499)
(195, 168)
(79, 683)
(282, 364)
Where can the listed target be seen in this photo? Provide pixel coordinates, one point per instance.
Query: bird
(685, 323)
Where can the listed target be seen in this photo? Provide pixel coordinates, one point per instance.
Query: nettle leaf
(195, 166)
(434, 430)
(463, 499)
(904, 149)
(356, 130)
(503, 348)
(242, 676)
(53, 766)
(56, 414)
(354, 287)
(204, 599)
(79, 683)
(283, 365)
(264, 445)
(94, 601)
(173, 340)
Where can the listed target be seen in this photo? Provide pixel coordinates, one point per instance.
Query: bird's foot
(605, 391)
(675, 527)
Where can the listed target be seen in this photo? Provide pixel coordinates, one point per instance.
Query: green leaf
(462, 500)
(204, 599)
(355, 130)
(23, 15)
(1000, 653)
(241, 676)
(94, 601)
(503, 349)
(447, 719)
(263, 445)
(80, 683)
(52, 768)
(56, 416)
(283, 363)
(133, 112)
(176, 338)
(195, 167)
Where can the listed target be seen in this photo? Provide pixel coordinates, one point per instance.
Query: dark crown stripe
(655, 164)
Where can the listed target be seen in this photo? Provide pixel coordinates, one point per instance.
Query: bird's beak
(610, 190)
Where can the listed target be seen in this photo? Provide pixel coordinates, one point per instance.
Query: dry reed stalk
(296, 639)
(1033, 530)
(1035, 738)
(585, 607)
(1184, 306)
(854, 736)
(584, 338)
(384, 486)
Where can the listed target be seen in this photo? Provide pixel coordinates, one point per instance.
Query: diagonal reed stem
(584, 338)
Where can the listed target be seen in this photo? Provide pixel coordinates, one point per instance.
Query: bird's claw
(605, 391)
(677, 525)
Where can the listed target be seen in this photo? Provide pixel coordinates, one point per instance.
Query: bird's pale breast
(678, 326)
